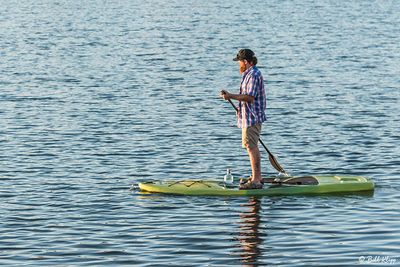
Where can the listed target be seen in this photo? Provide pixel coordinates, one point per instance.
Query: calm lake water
(98, 95)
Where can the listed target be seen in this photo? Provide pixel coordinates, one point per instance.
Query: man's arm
(226, 95)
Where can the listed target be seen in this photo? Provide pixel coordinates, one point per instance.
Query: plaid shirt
(253, 85)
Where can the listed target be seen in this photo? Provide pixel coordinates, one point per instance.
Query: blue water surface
(98, 95)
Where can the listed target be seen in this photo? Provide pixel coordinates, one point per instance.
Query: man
(251, 112)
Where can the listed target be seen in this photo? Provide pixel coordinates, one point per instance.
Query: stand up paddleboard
(318, 184)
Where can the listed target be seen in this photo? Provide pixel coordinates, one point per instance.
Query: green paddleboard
(316, 184)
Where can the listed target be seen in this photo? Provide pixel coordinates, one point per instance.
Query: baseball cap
(244, 54)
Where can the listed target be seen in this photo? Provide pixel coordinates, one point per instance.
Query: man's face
(242, 66)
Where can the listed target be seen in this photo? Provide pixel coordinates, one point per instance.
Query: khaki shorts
(250, 136)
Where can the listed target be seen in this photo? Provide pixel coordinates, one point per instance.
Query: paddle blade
(275, 164)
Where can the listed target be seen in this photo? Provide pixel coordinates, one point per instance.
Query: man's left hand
(225, 95)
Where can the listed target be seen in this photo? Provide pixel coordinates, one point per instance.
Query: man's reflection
(249, 237)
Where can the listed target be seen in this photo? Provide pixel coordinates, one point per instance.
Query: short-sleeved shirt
(252, 113)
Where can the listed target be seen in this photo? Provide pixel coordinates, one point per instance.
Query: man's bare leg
(255, 162)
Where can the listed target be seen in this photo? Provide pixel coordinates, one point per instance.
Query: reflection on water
(249, 235)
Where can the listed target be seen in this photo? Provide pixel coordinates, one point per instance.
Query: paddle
(271, 157)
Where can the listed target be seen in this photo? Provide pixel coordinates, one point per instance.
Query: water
(98, 95)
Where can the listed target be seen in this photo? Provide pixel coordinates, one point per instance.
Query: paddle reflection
(249, 237)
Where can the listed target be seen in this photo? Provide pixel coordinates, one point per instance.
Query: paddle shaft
(272, 158)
